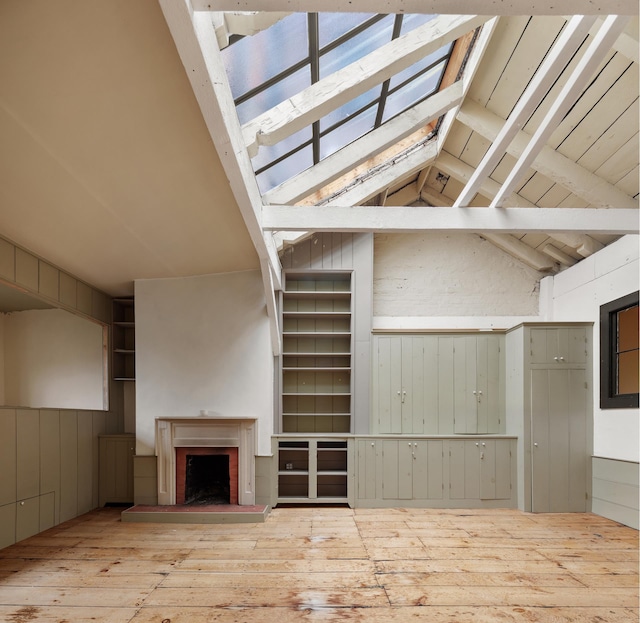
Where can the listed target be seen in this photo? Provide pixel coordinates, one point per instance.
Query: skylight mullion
(314, 61)
(397, 28)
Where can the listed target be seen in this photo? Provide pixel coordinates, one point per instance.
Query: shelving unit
(312, 470)
(317, 346)
(123, 341)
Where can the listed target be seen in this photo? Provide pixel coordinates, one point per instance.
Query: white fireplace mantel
(205, 432)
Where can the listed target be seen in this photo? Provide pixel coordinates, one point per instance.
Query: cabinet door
(478, 403)
(397, 470)
(427, 474)
(387, 400)
(368, 479)
(558, 345)
(495, 469)
(559, 438)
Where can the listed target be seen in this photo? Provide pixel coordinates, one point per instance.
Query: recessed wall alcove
(202, 436)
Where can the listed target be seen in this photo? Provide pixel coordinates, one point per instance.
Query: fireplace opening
(207, 479)
(206, 476)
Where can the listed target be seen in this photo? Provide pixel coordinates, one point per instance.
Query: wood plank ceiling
(588, 158)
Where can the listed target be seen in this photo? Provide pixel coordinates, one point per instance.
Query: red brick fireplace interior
(206, 475)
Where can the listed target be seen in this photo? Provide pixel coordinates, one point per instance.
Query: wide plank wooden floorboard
(327, 564)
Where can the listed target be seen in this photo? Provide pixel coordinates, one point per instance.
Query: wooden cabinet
(116, 469)
(558, 346)
(317, 345)
(550, 405)
(123, 340)
(438, 384)
(312, 470)
(435, 472)
(478, 367)
(480, 469)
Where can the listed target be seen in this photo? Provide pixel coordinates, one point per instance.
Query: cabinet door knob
(535, 445)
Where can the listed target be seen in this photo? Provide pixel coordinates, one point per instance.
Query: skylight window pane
(416, 68)
(412, 21)
(356, 47)
(274, 95)
(350, 108)
(285, 169)
(255, 59)
(413, 92)
(333, 25)
(268, 153)
(348, 132)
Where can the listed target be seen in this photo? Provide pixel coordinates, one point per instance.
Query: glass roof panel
(285, 169)
(268, 68)
(251, 61)
(350, 108)
(357, 46)
(333, 25)
(269, 153)
(274, 95)
(348, 132)
(413, 92)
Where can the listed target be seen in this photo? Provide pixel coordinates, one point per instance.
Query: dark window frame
(608, 332)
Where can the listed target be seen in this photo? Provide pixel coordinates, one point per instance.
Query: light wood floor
(327, 564)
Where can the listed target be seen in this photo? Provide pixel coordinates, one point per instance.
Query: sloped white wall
(576, 295)
(202, 343)
(448, 281)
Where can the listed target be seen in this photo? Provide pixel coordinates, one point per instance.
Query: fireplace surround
(201, 433)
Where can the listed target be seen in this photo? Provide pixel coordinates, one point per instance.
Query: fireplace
(206, 475)
(206, 460)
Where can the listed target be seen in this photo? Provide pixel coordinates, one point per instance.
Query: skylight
(271, 66)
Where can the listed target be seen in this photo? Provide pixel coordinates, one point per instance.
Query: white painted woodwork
(627, 42)
(364, 148)
(512, 245)
(195, 39)
(598, 48)
(470, 70)
(512, 7)
(406, 219)
(244, 23)
(549, 162)
(375, 181)
(331, 92)
(558, 255)
(569, 41)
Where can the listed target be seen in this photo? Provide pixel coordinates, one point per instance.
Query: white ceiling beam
(243, 23)
(550, 163)
(564, 48)
(342, 86)
(510, 7)
(559, 255)
(517, 248)
(195, 40)
(473, 63)
(593, 56)
(364, 148)
(626, 43)
(468, 220)
(368, 186)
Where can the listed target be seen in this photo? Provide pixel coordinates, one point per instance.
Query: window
(619, 354)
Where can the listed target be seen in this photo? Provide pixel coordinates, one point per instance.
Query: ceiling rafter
(595, 53)
(331, 92)
(554, 63)
(360, 218)
(362, 149)
(513, 7)
(243, 23)
(549, 162)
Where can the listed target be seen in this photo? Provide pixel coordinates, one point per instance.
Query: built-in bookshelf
(123, 340)
(316, 359)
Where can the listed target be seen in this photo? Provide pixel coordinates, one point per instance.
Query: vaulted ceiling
(123, 157)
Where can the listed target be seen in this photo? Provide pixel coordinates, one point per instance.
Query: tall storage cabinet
(317, 344)
(549, 406)
(123, 341)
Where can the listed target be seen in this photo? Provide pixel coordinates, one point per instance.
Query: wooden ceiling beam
(513, 7)
(555, 61)
(342, 86)
(243, 23)
(595, 53)
(362, 149)
(558, 168)
(465, 220)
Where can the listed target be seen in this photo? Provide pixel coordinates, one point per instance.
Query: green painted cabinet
(438, 384)
(116, 469)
